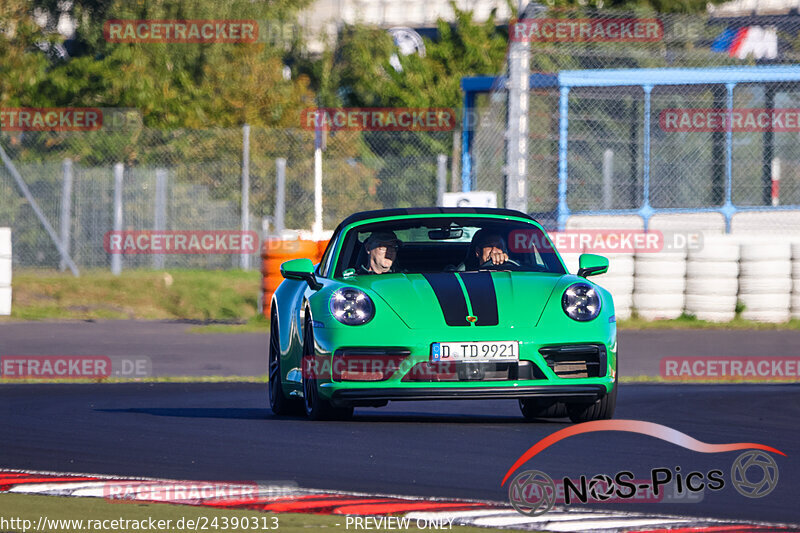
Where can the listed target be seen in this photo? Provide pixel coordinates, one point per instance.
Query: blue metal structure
(484, 84)
(647, 79)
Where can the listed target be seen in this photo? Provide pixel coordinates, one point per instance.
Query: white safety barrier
(571, 260)
(753, 265)
(712, 280)
(659, 284)
(5, 271)
(795, 309)
(619, 282)
(764, 281)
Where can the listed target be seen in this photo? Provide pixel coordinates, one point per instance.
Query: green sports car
(442, 303)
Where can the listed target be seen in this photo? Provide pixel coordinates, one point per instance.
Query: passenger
(381, 247)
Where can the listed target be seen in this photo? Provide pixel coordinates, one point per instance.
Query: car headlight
(581, 302)
(352, 306)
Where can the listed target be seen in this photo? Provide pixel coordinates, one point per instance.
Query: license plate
(503, 351)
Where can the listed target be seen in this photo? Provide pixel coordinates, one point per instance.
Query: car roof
(399, 212)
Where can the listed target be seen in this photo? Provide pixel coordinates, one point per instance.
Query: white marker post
(318, 146)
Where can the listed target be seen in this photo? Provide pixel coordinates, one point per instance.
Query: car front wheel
(533, 408)
(317, 407)
(602, 409)
(278, 402)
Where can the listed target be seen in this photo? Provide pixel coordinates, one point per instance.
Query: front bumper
(577, 393)
(547, 372)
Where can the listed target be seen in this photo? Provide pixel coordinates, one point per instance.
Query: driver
(381, 249)
(486, 246)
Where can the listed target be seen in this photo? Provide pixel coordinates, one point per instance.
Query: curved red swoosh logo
(635, 426)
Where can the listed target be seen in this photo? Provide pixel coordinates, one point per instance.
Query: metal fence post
(441, 178)
(245, 257)
(519, 52)
(26, 192)
(66, 208)
(608, 176)
(775, 172)
(455, 173)
(280, 196)
(160, 214)
(317, 229)
(119, 171)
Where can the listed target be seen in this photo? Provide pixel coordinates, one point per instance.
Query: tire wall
(759, 271)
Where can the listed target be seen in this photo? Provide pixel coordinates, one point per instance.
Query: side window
(325, 263)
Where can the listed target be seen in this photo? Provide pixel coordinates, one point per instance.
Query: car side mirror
(301, 270)
(592, 265)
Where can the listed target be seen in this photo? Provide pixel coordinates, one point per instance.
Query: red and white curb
(414, 510)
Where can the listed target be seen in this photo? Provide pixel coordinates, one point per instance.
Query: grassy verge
(32, 508)
(230, 295)
(256, 324)
(690, 322)
(220, 301)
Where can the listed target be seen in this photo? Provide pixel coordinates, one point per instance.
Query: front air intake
(576, 360)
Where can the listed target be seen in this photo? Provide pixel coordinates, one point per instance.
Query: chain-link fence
(642, 113)
(193, 179)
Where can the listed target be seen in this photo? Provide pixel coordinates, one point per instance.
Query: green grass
(222, 301)
(690, 322)
(256, 324)
(230, 295)
(31, 508)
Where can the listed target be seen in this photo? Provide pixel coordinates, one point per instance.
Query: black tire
(316, 407)
(533, 408)
(602, 409)
(278, 402)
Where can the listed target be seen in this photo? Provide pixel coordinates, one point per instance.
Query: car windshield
(446, 245)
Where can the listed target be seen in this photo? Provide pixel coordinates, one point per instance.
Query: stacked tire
(619, 282)
(571, 260)
(765, 283)
(796, 280)
(712, 280)
(659, 283)
(5, 271)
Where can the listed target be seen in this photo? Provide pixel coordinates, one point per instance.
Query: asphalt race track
(176, 353)
(225, 431)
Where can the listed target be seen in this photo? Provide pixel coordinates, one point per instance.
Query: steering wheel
(488, 264)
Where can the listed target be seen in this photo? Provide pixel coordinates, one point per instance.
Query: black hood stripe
(451, 297)
(482, 296)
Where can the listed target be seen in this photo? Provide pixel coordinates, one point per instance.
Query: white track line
(58, 488)
(560, 520)
(613, 525)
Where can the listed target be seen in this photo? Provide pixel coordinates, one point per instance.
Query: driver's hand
(498, 257)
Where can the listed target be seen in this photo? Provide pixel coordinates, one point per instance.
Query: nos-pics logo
(754, 474)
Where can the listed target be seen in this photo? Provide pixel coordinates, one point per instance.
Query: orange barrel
(273, 253)
(321, 245)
